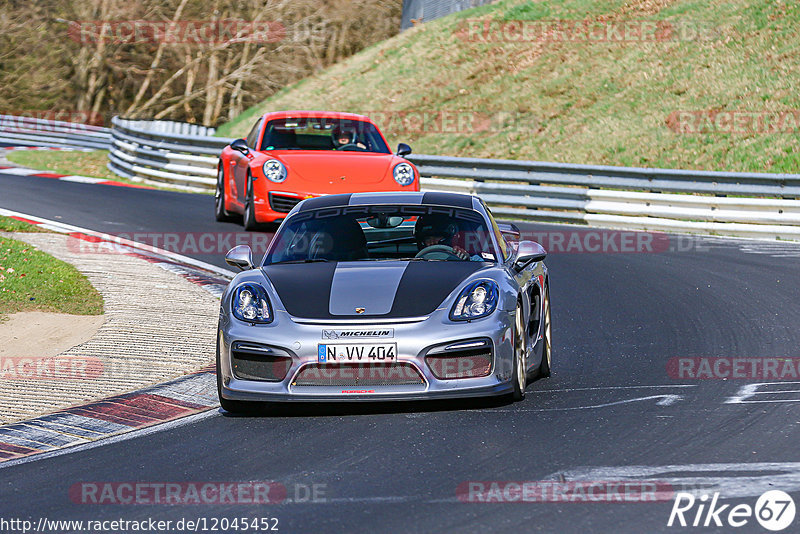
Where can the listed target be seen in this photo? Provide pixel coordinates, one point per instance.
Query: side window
(501, 240)
(252, 137)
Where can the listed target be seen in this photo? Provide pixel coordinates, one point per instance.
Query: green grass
(7, 224)
(75, 163)
(579, 101)
(33, 280)
(66, 162)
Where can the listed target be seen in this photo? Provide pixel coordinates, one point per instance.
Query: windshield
(371, 233)
(312, 133)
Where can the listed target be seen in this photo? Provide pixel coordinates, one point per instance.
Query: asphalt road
(618, 318)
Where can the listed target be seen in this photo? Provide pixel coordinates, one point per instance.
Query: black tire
(547, 348)
(220, 213)
(520, 375)
(232, 406)
(249, 219)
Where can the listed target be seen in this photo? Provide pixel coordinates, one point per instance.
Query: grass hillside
(572, 99)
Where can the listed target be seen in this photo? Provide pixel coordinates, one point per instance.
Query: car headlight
(251, 304)
(477, 300)
(274, 170)
(403, 173)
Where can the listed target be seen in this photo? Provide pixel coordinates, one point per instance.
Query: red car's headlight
(274, 170)
(403, 173)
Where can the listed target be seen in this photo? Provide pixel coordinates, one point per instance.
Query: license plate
(366, 353)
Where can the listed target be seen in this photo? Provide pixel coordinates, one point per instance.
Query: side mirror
(241, 146)
(403, 150)
(240, 256)
(509, 230)
(527, 252)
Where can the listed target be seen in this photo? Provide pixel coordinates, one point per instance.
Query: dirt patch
(42, 334)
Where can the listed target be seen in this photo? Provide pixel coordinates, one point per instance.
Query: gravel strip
(157, 326)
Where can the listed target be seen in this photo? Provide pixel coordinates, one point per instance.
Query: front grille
(454, 362)
(371, 374)
(251, 361)
(282, 203)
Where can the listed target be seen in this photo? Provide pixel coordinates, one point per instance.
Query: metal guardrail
(737, 204)
(30, 131)
(182, 155)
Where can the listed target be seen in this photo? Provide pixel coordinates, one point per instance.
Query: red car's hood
(336, 168)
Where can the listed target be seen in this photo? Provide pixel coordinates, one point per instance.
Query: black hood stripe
(305, 288)
(426, 284)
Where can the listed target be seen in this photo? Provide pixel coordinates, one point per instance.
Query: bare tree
(54, 50)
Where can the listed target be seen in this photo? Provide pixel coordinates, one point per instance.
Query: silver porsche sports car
(385, 296)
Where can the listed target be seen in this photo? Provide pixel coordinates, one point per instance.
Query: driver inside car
(345, 137)
(436, 229)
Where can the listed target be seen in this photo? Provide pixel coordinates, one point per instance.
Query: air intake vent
(253, 361)
(375, 374)
(468, 359)
(282, 203)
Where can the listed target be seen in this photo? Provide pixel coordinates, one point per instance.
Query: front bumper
(415, 339)
(272, 202)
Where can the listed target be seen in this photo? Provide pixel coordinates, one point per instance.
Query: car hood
(336, 168)
(386, 289)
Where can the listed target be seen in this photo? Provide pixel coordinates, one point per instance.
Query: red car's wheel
(220, 212)
(250, 223)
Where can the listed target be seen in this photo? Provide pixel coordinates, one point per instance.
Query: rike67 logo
(774, 510)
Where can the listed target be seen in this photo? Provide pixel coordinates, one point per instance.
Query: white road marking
(665, 400)
(615, 387)
(20, 172)
(731, 480)
(82, 179)
(749, 391)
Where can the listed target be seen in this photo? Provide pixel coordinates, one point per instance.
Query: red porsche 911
(293, 155)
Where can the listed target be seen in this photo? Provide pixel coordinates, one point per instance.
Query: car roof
(296, 114)
(427, 198)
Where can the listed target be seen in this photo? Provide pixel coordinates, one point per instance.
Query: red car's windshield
(312, 133)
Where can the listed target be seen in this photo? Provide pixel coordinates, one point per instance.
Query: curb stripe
(23, 219)
(123, 184)
(114, 412)
(22, 442)
(188, 395)
(48, 175)
(80, 422)
(69, 430)
(16, 449)
(46, 437)
(171, 405)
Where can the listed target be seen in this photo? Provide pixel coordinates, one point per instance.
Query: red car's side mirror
(241, 146)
